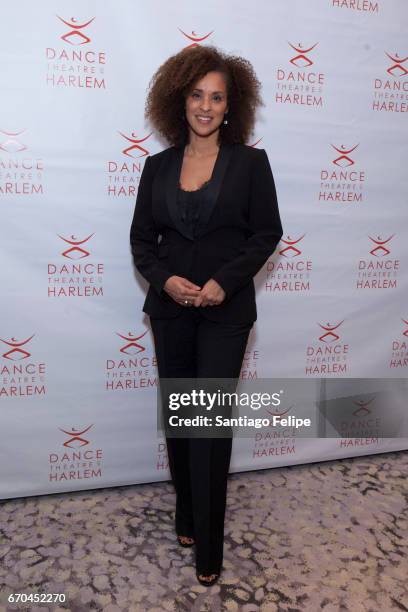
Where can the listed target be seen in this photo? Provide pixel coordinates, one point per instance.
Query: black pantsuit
(237, 229)
(192, 346)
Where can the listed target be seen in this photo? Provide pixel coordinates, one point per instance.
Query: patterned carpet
(329, 536)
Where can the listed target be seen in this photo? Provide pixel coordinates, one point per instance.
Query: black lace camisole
(190, 203)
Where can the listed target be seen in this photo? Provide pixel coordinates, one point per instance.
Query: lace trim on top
(190, 203)
(193, 190)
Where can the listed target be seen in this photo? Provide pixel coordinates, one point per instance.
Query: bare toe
(207, 578)
(186, 540)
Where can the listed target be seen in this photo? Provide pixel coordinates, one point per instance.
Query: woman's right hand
(181, 290)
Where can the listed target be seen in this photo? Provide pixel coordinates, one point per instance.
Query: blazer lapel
(171, 187)
(210, 194)
(213, 190)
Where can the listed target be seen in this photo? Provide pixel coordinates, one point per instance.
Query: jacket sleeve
(144, 234)
(265, 223)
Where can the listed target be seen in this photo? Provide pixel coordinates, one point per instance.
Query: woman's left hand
(211, 294)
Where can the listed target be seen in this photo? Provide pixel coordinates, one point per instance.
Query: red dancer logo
(75, 437)
(301, 60)
(195, 38)
(344, 156)
(397, 66)
(80, 253)
(362, 407)
(135, 144)
(132, 347)
(16, 353)
(380, 250)
(74, 36)
(329, 328)
(12, 144)
(290, 250)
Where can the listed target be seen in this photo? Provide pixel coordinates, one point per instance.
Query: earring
(225, 120)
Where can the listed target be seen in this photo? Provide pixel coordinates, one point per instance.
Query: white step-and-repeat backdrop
(78, 371)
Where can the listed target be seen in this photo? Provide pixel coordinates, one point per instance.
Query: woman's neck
(202, 147)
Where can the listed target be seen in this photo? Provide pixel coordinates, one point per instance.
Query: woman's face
(207, 98)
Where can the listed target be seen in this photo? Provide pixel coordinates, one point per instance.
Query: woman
(212, 200)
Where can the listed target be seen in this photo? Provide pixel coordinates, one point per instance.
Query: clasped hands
(188, 294)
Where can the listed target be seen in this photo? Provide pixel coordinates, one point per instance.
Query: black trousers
(191, 346)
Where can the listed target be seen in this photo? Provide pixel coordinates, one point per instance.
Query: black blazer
(239, 228)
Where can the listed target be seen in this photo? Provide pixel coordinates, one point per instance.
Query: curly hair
(174, 79)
